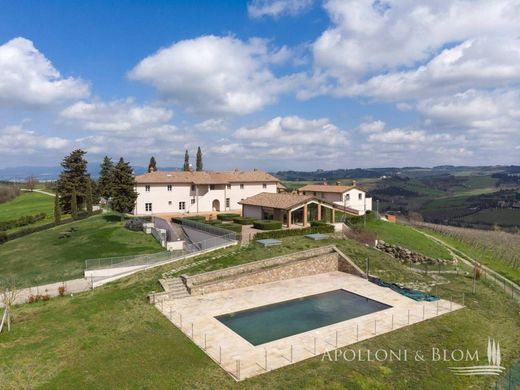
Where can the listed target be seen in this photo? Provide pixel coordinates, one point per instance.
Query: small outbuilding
(292, 209)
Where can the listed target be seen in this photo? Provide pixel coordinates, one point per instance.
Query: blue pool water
(272, 322)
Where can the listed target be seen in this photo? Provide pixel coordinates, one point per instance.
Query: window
(169, 203)
(148, 207)
(241, 186)
(193, 187)
(169, 187)
(314, 193)
(147, 188)
(212, 186)
(360, 196)
(264, 185)
(182, 205)
(229, 186)
(347, 196)
(193, 201)
(228, 201)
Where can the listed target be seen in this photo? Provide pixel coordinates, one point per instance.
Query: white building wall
(355, 199)
(164, 201)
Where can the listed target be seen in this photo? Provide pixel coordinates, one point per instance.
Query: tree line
(152, 165)
(76, 191)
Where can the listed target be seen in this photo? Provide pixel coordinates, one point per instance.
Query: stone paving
(195, 316)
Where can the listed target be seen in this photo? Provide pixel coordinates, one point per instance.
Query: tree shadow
(112, 218)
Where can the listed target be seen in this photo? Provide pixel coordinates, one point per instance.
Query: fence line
(214, 230)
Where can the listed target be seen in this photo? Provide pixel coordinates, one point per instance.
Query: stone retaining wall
(294, 265)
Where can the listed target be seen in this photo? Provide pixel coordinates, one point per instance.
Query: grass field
(111, 338)
(504, 217)
(44, 257)
(28, 203)
(406, 237)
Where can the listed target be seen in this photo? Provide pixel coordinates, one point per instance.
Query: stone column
(333, 215)
(319, 211)
(305, 214)
(289, 214)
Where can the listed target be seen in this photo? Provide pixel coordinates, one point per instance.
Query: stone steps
(174, 287)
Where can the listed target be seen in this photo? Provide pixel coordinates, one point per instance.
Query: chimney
(354, 183)
(190, 168)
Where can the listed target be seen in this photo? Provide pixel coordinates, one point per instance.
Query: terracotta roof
(205, 177)
(276, 201)
(327, 188)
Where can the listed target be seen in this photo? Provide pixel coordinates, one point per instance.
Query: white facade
(195, 198)
(353, 198)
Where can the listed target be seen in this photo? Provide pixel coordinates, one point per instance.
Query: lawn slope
(112, 338)
(44, 257)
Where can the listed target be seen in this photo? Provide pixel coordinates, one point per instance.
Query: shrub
(267, 225)
(227, 216)
(214, 222)
(244, 220)
(22, 221)
(134, 224)
(294, 232)
(61, 291)
(3, 237)
(319, 223)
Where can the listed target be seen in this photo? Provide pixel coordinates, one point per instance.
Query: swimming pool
(263, 324)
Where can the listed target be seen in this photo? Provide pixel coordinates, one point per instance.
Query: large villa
(253, 194)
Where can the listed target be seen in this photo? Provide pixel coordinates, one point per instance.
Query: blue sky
(272, 84)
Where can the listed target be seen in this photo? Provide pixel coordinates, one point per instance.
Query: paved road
(39, 191)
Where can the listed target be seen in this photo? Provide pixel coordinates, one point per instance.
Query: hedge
(244, 220)
(267, 224)
(22, 221)
(29, 230)
(227, 216)
(214, 222)
(294, 232)
(196, 218)
(319, 223)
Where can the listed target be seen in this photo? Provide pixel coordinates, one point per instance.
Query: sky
(268, 84)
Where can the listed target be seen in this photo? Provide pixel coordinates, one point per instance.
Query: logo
(493, 367)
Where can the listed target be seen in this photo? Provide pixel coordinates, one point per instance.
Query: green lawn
(44, 257)
(28, 203)
(407, 237)
(111, 338)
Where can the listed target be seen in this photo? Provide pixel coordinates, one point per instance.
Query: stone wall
(294, 265)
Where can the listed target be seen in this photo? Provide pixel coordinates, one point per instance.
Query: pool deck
(195, 317)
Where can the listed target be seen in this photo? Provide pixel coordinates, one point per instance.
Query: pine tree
(74, 204)
(152, 166)
(199, 159)
(186, 166)
(57, 210)
(88, 197)
(105, 178)
(124, 195)
(74, 176)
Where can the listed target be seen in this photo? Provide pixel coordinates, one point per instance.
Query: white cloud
(372, 127)
(478, 110)
(213, 74)
(212, 125)
(17, 140)
(293, 130)
(118, 116)
(28, 79)
(276, 8)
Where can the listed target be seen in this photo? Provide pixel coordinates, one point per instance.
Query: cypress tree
(124, 195)
(57, 211)
(186, 166)
(199, 159)
(89, 197)
(152, 165)
(74, 204)
(105, 178)
(74, 176)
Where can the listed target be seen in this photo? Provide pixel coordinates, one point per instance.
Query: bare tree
(31, 182)
(8, 294)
